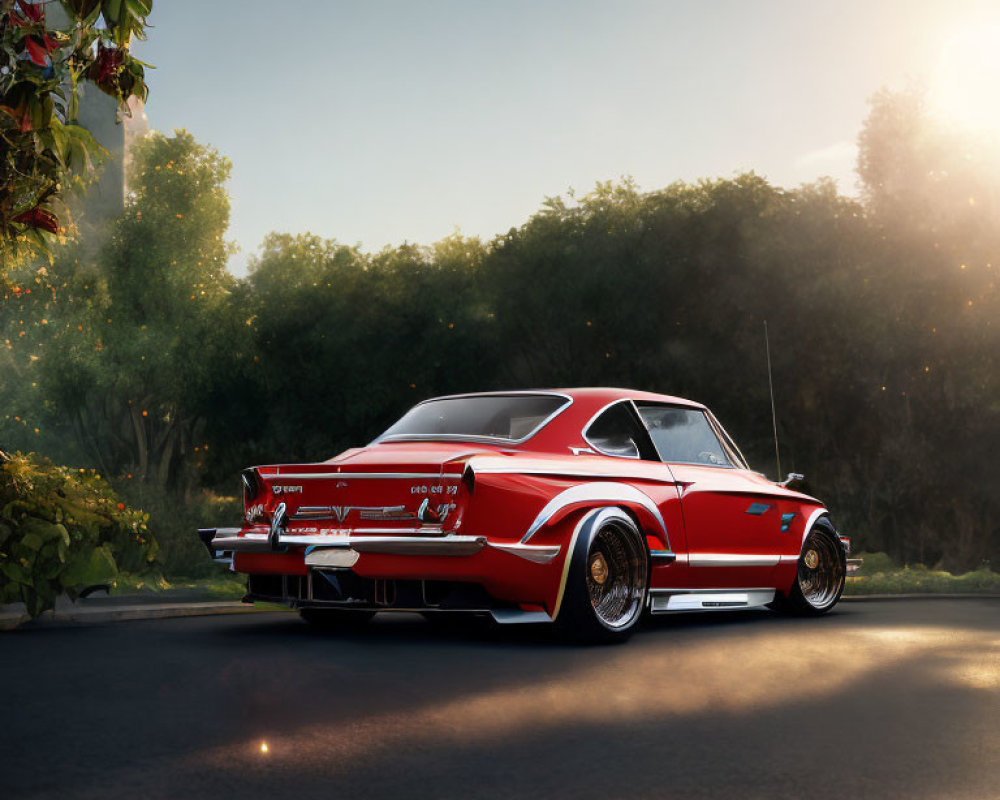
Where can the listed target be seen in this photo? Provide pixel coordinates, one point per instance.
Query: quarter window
(683, 435)
(616, 432)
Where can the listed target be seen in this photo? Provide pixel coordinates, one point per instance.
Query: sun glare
(965, 84)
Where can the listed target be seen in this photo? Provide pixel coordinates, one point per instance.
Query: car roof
(588, 394)
(565, 427)
(610, 394)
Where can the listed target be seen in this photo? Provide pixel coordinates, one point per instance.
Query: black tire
(336, 618)
(607, 580)
(822, 570)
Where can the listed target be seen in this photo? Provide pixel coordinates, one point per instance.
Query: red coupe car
(580, 507)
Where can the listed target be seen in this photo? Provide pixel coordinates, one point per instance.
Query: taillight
(469, 478)
(252, 486)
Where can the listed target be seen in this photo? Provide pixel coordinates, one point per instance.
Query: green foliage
(212, 583)
(129, 341)
(62, 530)
(921, 580)
(42, 61)
(882, 315)
(175, 517)
(874, 563)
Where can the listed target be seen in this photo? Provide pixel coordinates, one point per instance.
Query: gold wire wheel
(616, 575)
(598, 568)
(821, 571)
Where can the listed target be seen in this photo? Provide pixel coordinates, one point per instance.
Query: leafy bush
(174, 518)
(62, 530)
(879, 575)
(872, 563)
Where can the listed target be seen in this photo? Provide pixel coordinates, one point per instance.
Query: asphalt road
(877, 700)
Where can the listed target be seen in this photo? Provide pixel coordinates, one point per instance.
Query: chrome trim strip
(789, 559)
(260, 542)
(664, 601)
(666, 556)
(569, 558)
(446, 437)
(593, 419)
(426, 530)
(367, 513)
(418, 545)
(700, 590)
(338, 534)
(251, 543)
(423, 437)
(819, 512)
(732, 560)
(514, 616)
(355, 476)
(727, 439)
(319, 540)
(537, 553)
(598, 492)
(569, 470)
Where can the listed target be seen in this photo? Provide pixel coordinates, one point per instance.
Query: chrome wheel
(821, 570)
(616, 575)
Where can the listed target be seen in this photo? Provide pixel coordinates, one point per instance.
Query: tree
(132, 347)
(43, 149)
(369, 334)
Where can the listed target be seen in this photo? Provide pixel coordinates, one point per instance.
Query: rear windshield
(503, 417)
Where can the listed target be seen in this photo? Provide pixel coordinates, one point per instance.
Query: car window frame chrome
(727, 441)
(709, 418)
(638, 419)
(459, 437)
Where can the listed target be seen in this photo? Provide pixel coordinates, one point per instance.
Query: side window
(683, 435)
(615, 432)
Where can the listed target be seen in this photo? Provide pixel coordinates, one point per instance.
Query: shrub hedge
(62, 530)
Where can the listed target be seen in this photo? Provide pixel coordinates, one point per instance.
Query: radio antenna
(774, 416)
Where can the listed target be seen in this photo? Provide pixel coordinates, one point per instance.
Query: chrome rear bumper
(223, 542)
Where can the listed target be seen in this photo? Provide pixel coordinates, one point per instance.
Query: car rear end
(384, 531)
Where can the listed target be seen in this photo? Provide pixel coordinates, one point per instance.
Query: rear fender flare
(587, 525)
(601, 494)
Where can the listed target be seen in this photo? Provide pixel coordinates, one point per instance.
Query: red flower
(38, 53)
(121, 506)
(39, 218)
(104, 71)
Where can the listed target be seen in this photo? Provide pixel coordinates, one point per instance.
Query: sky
(375, 123)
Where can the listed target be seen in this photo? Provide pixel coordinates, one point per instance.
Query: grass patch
(879, 575)
(220, 586)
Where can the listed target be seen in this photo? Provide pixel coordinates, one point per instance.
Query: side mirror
(793, 477)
